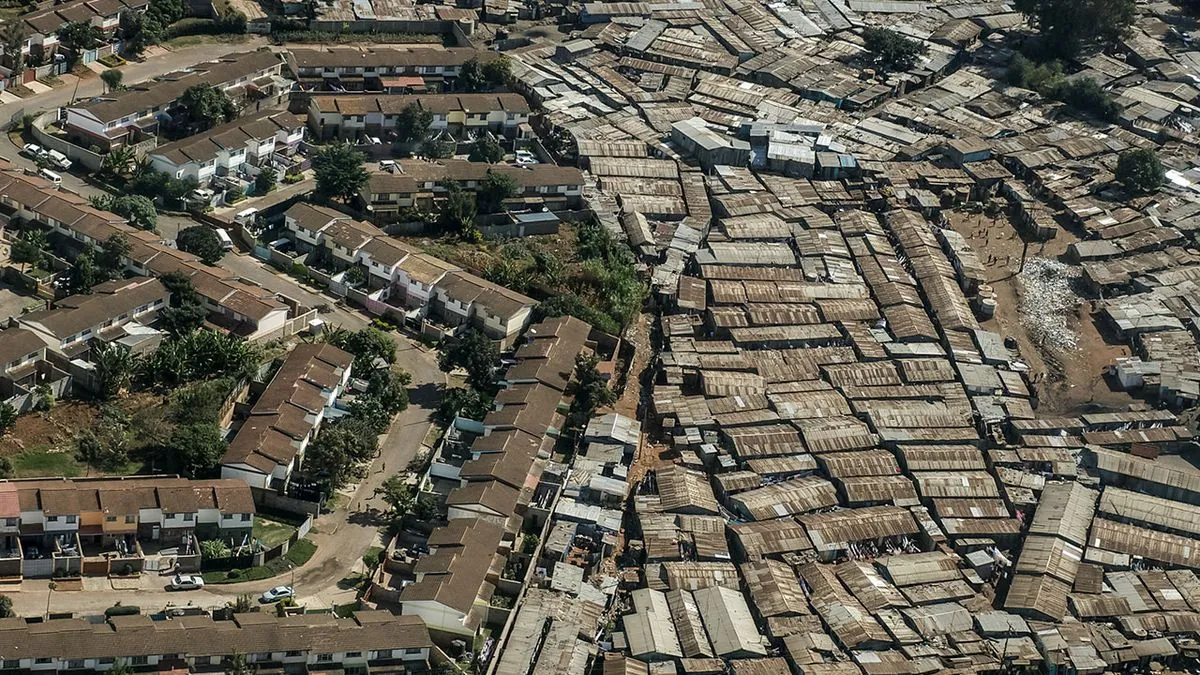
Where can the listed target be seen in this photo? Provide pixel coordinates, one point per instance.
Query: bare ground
(1068, 381)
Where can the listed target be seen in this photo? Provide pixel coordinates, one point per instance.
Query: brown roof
(466, 576)
(201, 636)
(124, 496)
(106, 301)
(265, 440)
(17, 343)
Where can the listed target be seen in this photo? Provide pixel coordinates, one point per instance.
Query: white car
(388, 165)
(58, 159)
(526, 157)
(32, 150)
(276, 594)
(186, 582)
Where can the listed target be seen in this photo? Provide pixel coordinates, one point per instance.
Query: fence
(270, 500)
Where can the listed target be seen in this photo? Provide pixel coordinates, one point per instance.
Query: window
(129, 520)
(383, 654)
(51, 519)
(75, 664)
(71, 520)
(11, 663)
(140, 660)
(324, 657)
(110, 519)
(245, 517)
(168, 515)
(294, 652)
(189, 517)
(11, 522)
(107, 660)
(226, 516)
(43, 660)
(353, 655)
(413, 650)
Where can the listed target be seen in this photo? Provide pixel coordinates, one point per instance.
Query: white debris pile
(1048, 300)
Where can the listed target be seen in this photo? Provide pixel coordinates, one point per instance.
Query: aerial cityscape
(693, 337)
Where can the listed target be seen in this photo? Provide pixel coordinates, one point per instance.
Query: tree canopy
(77, 37)
(590, 389)
(340, 173)
(496, 187)
(138, 210)
(30, 247)
(205, 106)
(461, 402)
(412, 124)
(475, 353)
(367, 345)
(198, 448)
(115, 364)
(112, 79)
(186, 311)
(458, 213)
(486, 149)
(202, 242)
(891, 50)
(1140, 170)
(1067, 26)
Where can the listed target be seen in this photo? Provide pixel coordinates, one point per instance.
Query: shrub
(122, 610)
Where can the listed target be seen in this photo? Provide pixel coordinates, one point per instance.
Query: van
(226, 242)
(246, 217)
(59, 160)
(388, 165)
(50, 176)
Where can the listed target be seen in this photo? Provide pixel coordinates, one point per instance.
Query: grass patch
(38, 462)
(193, 40)
(271, 532)
(300, 553)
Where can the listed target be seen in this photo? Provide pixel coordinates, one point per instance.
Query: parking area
(12, 301)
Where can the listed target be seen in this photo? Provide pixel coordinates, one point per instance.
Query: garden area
(299, 554)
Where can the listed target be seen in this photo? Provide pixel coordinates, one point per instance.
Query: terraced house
(98, 526)
(379, 69)
(358, 116)
(371, 641)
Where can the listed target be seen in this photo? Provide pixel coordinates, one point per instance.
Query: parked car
(276, 594)
(186, 582)
(58, 159)
(32, 150)
(526, 157)
(50, 176)
(388, 165)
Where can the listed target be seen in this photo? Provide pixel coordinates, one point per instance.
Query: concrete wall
(270, 500)
(75, 153)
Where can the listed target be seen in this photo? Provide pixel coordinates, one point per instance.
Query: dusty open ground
(1069, 381)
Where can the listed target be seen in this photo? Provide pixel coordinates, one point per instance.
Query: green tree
(340, 451)
(441, 147)
(400, 498)
(8, 417)
(214, 548)
(369, 345)
(6, 607)
(470, 76)
(200, 402)
(458, 401)
(389, 386)
(119, 162)
(13, 40)
(498, 71)
(112, 79)
(186, 311)
(891, 50)
(82, 275)
(7, 471)
(137, 209)
(198, 449)
(105, 450)
(457, 215)
(1066, 26)
(205, 106)
(110, 260)
(202, 242)
(475, 353)
(115, 364)
(77, 37)
(340, 173)
(591, 391)
(264, 182)
(412, 124)
(30, 247)
(486, 149)
(1140, 171)
(237, 665)
(496, 188)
